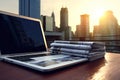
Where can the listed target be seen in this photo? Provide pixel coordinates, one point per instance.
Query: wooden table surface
(107, 68)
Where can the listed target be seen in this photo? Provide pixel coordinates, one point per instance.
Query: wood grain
(107, 68)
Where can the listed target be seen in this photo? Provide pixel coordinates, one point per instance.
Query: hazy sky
(94, 8)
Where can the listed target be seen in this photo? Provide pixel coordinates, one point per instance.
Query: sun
(95, 17)
(98, 13)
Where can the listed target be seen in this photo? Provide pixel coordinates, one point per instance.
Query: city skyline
(75, 8)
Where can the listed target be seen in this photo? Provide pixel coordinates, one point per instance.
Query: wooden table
(107, 68)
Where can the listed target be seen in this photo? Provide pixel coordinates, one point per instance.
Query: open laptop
(22, 42)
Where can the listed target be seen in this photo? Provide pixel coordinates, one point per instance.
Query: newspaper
(92, 44)
(89, 54)
(77, 51)
(95, 57)
(90, 50)
(81, 42)
(80, 55)
(70, 52)
(72, 46)
(90, 57)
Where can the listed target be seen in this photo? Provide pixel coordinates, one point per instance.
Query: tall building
(30, 8)
(77, 32)
(47, 22)
(63, 18)
(82, 30)
(54, 25)
(108, 26)
(85, 26)
(64, 27)
(96, 32)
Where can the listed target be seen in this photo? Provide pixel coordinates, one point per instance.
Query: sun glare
(98, 13)
(95, 16)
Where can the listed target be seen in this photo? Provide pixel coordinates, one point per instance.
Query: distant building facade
(54, 24)
(48, 27)
(77, 32)
(96, 32)
(82, 30)
(63, 18)
(64, 27)
(47, 22)
(30, 8)
(108, 27)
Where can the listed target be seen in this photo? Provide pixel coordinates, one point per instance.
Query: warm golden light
(95, 8)
(98, 13)
(95, 16)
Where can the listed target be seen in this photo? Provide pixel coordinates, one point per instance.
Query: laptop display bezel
(28, 18)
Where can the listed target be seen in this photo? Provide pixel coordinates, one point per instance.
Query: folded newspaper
(90, 50)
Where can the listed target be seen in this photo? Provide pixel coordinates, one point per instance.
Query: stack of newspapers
(90, 50)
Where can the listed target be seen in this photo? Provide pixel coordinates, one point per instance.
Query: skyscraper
(83, 30)
(64, 27)
(47, 22)
(63, 19)
(108, 26)
(85, 25)
(30, 8)
(54, 25)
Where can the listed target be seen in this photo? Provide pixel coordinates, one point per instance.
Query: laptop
(22, 42)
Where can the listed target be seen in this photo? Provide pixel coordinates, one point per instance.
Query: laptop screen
(20, 35)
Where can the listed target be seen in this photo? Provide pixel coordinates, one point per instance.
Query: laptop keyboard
(56, 61)
(27, 57)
